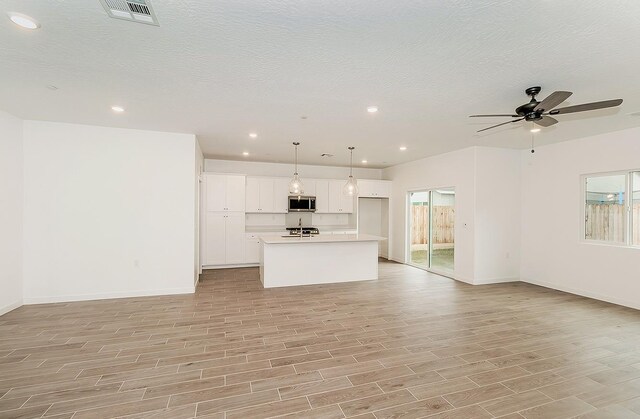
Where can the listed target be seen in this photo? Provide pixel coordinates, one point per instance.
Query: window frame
(628, 206)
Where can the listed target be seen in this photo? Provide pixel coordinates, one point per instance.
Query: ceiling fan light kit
(538, 111)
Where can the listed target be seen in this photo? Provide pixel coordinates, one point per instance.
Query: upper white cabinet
(266, 195)
(338, 202)
(321, 189)
(281, 195)
(369, 188)
(225, 192)
(309, 187)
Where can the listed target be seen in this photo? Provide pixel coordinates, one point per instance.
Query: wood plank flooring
(409, 345)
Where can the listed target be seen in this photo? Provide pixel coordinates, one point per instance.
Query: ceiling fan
(538, 112)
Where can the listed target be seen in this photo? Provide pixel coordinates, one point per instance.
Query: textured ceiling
(221, 69)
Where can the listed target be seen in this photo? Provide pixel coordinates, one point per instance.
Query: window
(612, 208)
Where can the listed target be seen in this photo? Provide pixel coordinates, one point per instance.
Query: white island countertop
(329, 238)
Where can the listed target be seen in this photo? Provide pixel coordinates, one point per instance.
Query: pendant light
(295, 186)
(351, 187)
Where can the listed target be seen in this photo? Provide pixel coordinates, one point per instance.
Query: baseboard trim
(10, 307)
(495, 281)
(108, 296)
(243, 265)
(587, 294)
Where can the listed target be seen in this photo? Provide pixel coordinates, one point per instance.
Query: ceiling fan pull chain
(532, 147)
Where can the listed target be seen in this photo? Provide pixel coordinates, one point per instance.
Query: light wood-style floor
(409, 345)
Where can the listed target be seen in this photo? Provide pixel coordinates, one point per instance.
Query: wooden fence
(606, 222)
(443, 224)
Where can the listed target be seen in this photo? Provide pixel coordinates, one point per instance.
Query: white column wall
(11, 190)
(108, 212)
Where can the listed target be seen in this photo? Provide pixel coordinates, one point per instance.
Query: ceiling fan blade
(485, 116)
(587, 107)
(504, 123)
(553, 100)
(546, 121)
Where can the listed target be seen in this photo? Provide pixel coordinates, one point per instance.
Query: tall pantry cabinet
(223, 238)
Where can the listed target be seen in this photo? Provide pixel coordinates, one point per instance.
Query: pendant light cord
(296, 169)
(351, 162)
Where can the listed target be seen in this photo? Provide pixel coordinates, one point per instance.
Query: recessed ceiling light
(403, 148)
(364, 162)
(24, 21)
(118, 109)
(245, 153)
(535, 130)
(372, 109)
(253, 135)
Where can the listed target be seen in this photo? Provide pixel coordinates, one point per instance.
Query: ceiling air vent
(133, 10)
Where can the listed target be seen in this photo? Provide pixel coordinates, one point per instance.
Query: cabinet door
(235, 192)
(266, 195)
(216, 186)
(366, 188)
(252, 251)
(281, 195)
(384, 189)
(215, 242)
(322, 196)
(346, 203)
(309, 187)
(235, 237)
(338, 202)
(252, 194)
(335, 196)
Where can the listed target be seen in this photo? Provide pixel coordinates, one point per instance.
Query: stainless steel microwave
(302, 203)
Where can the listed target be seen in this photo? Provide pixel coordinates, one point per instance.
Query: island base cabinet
(284, 265)
(224, 238)
(252, 249)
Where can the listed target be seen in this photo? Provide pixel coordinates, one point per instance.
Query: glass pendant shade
(351, 187)
(295, 185)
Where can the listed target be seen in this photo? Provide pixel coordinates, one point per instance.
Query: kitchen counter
(320, 238)
(321, 259)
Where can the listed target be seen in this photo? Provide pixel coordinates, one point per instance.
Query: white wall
(553, 253)
(455, 169)
(487, 209)
(286, 169)
(11, 190)
(497, 215)
(107, 212)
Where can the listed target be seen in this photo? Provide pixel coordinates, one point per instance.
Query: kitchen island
(320, 259)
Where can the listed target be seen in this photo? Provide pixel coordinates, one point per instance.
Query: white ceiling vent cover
(133, 10)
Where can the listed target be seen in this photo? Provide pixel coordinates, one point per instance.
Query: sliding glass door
(431, 243)
(419, 228)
